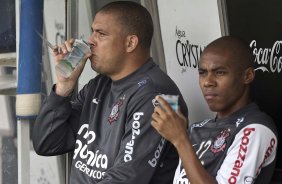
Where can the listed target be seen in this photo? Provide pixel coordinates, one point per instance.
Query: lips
(210, 95)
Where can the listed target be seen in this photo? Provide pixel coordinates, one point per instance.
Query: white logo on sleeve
(95, 100)
(239, 121)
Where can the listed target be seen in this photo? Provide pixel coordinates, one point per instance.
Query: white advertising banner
(187, 26)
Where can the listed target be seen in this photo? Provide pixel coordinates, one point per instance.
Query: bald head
(225, 74)
(237, 51)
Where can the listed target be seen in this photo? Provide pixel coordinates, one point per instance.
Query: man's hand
(65, 86)
(170, 124)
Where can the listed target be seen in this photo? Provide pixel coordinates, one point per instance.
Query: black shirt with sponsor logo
(238, 149)
(108, 129)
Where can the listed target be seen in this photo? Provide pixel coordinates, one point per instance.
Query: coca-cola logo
(268, 59)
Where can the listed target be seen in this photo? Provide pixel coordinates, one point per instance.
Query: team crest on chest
(220, 142)
(115, 110)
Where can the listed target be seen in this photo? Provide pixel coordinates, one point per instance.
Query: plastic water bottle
(172, 100)
(72, 59)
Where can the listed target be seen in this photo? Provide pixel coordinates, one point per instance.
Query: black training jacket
(108, 129)
(238, 149)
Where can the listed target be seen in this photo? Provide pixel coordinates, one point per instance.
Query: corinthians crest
(220, 142)
(115, 110)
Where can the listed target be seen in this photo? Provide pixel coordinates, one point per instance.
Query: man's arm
(172, 126)
(53, 131)
(253, 148)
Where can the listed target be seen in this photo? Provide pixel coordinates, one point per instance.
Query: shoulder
(257, 118)
(161, 80)
(151, 79)
(256, 128)
(257, 132)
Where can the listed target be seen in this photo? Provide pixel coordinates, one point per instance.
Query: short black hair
(134, 18)
(238, 49)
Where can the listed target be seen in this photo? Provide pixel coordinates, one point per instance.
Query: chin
(96, 69)
(93, 65)
(213, 108)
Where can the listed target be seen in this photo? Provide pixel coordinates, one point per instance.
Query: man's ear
(249, 75)
(131, 43)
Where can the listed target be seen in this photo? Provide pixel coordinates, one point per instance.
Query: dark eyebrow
(99, 31)
(213, 69)
(219, 68)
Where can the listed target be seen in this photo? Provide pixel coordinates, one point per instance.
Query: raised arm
(172, 125)
(55, 127)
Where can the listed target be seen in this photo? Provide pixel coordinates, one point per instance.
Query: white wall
(187, 26)
(84, 31)
(54, 25)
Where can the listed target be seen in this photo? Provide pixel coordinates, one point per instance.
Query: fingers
(87, 55)
(160, 118)
(56, 50)
(68, 44)
(64, 48)
(156, 116)
(156, 126)
(157, 121)
(163, 110)
(159, 110)
(60, 51)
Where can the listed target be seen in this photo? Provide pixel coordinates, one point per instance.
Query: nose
(91, 41)
(209, 80)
